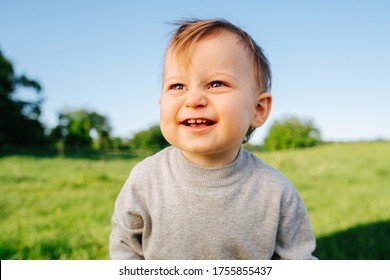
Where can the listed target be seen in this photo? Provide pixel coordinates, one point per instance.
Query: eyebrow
(226, 74)
(177, 77)
(173, 78)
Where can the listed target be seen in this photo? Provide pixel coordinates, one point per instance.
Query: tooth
(198, 121)
(203, 121)
(191, 121)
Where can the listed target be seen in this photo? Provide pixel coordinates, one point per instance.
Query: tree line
(20, 124)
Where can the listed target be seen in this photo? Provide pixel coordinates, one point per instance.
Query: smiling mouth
(197, 122)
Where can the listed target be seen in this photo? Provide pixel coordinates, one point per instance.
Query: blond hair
(192, 31)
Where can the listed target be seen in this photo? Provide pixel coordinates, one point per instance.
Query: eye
(216, 84)
(177, 87)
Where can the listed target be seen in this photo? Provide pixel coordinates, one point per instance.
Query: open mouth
(198, 122)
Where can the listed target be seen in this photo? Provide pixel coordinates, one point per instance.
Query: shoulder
(271, 178)
(155, 158)
(152, 165)
(276, 187)
(267, 172)
(145, 175)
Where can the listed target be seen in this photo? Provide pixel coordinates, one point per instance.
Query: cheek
(168, 113)
(162, 112)
(239, 110)
(166, 108)
(165, 123)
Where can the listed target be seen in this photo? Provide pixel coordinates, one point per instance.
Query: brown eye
(177, 87)
(216, 84)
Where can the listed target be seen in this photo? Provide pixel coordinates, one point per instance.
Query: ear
(262, 110)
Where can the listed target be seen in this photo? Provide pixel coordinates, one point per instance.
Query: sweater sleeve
(295, 239)
(127, 227)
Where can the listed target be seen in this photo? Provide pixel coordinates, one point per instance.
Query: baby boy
(205, 197)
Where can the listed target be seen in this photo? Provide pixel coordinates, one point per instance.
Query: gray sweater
(170, 208)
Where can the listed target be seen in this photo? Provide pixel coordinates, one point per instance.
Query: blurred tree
(149, 141)
(82, 129)
(291, 133)
(118, 143)
(19, 119)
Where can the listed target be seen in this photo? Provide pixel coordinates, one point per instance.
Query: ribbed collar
(210, 177)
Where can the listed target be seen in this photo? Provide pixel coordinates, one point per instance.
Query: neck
(213, 160)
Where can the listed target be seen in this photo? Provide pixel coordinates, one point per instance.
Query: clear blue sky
(330, 59)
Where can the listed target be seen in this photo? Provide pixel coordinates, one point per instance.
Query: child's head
(190, 32)
(215, 88)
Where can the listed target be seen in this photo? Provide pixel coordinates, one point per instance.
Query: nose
(195, 99)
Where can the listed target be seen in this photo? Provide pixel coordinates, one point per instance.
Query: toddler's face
(206, 110)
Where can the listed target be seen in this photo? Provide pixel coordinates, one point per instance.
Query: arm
(127, 228)
(295, 239)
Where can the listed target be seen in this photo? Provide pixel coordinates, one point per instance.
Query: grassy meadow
(60, 207)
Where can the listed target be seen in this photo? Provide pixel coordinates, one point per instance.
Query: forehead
(218, 44)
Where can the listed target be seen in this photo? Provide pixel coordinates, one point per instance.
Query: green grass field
(60, 208)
